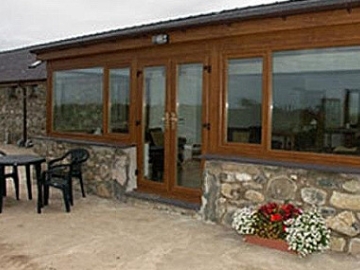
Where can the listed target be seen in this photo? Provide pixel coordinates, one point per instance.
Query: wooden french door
(171, 127)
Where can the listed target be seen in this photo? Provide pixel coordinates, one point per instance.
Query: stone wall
(109, 172)
(231, 185)
(11, 113)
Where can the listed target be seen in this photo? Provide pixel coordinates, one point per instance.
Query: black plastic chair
(59, 177)
(75, 158)
(14, 175)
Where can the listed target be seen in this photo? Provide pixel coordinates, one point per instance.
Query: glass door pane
(154, 124)
(189, 124)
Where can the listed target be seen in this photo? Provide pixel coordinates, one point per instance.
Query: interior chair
(75, 159)
(59, 177)
(254, 134)
(156, 154)
(14, 175)
(305, 140)
(156, 139)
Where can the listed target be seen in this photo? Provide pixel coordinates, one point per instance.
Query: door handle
(166, 119)
(173, 119)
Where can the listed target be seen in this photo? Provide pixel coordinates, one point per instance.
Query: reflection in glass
(119, 99)
(244, 99)
(352, 103)
(189, 119)
(316, 100)
(78, 100)
(153, 117)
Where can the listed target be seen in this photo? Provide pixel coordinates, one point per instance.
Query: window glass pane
(153, 117)
(77, 101)
(316, 100)
(119, 100)
(244, 94)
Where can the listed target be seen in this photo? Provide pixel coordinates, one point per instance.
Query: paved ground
(104, 234)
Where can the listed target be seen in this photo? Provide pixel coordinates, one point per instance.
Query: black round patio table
(22, 160)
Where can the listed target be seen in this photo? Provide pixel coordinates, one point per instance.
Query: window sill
(298, 165)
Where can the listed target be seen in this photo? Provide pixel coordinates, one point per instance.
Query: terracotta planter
(269, 243)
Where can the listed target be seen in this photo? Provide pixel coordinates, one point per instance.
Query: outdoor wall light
(160, 39)
(35, 64)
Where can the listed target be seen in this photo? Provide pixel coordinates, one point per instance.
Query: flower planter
(278, 244)
(283, 221)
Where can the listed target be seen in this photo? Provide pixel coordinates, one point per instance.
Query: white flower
(308, 233)
(305, 234)
(243, 221)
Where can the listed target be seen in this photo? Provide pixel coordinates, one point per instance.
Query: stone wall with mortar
(109, 172)
(11, 113)
(232, 185)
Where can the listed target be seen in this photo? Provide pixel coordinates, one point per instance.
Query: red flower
(276, 217)
(271, 218)
(289, 211)
(269, 209)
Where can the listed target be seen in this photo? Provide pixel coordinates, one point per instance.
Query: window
(77, 101)
(316, 100)
(119, 100)
(243, 104)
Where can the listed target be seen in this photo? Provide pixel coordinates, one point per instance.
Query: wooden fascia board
(224, 30)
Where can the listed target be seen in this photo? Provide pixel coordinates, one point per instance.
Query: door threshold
(153, 198)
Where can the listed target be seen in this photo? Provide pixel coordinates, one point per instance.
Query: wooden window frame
(238, 148)
(263, 151)
(105, 137)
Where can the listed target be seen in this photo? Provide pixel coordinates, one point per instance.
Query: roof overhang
(292, 7)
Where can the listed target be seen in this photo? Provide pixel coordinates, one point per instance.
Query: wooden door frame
(185, 193)
(168, 187)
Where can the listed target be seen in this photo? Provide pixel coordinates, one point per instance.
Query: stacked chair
(60, 173)
(14, 175)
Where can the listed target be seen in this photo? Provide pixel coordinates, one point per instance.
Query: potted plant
(283, 226)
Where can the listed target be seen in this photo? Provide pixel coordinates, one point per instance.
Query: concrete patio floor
(107, 234)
